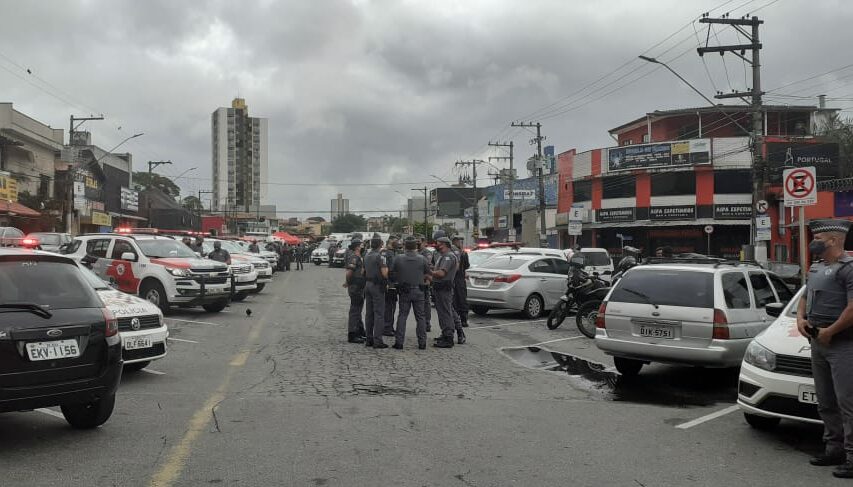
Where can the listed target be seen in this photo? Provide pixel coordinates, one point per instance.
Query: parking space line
(152, 372)
(708, 417)
(195, 322)
(505, 324)
(557, 340)
(181, 340)
(50, 412)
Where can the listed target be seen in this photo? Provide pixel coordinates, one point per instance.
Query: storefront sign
(823, 156)
(521, 194)
(101, 219)
(79, 195)
(8, 188)
(614, 215)
(685, 212)
(575, 228)
(129, 199)
(502, 221)
(762, 228)
(733, 212)
(663, 154)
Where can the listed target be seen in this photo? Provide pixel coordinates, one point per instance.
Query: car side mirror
(128, 256)
(774, 309)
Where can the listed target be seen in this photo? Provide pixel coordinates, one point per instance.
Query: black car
(59, 345)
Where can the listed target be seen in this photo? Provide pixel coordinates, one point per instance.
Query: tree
(348, 223)
(154, 180)
(192, 203)
(840, 131)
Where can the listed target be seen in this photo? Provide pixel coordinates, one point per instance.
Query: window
(735, 290)
(596, 259)
(72, 247)
(761, 289)
(673, 183)
(624, 186)
(58, 285)
(97, 247)
(560, 266)
(582, 190)
(689, 289)
(733, 182)
(543, 265)
(120, 247)
(645, 138)
(782, 289)
(503, 263)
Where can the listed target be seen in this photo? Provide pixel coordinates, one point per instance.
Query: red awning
(13, 208)
(287, 238)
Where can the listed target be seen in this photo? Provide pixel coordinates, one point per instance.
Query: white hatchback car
(776, 375)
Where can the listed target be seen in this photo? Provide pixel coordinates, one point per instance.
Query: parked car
(597, 260)
(340, 254)
(524, 282)
(776, 374)
(157, 268)
(50, 241)
(10, 237)
(242, 255)
(482, 255)
(686, 313)
(320, 255)
(268, 255)
(59, 344)
(140, 324)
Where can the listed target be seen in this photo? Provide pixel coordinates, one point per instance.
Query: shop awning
(13, 208)
(670, 223)
(287, 238)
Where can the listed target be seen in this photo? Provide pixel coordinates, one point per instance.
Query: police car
(157, 268)
(140, 324)
(262, 268)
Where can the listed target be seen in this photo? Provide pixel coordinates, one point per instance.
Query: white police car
(140, 324)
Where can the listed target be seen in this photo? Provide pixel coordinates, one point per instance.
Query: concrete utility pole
(758, 248)
(153, 164)
(474, 163)
(511, 217)
(72, 128)
(543, 237)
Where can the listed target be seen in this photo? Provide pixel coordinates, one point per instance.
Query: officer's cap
(823, 226)
(439, 234)
(355, 243)
(457, 238)
(410, 239)
(443, 240)
(357, 236)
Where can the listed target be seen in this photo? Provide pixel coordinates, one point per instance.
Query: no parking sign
(800, 186)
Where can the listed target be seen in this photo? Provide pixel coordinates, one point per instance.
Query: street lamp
(179, 176)
(119, 145)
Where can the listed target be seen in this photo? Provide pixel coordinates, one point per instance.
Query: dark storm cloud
(385, 91)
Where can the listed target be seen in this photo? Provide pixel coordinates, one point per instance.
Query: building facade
(240, 159)
(339, 207)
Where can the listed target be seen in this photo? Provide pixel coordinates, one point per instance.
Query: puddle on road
(666, 386)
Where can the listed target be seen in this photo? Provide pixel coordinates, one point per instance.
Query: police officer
(442, 285)
(412, 272)
(390, 253)
(427, 254)
(376, 271)
(253, 247)
(826, 318)
(219, 254)
(198, 246)
(460, 290)
(355, 282)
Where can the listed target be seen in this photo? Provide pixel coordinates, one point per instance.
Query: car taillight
(721, 325)
(599, 318)
(111, 323)
(508, 279)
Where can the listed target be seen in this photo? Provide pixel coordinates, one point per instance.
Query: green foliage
(192, 203)
(348, 223)
(840, 131)
(154, 180)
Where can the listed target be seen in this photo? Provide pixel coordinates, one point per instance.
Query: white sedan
(776, 375)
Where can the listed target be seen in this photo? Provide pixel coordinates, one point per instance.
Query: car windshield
(595, 258)
(55, 285)
(47, 238)
(163, 248)
(503, 263)
(477, 257)
(665, 287)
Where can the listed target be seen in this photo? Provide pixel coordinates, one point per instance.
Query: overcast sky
(390, 91)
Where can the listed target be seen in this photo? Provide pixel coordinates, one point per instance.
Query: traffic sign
(709, 229)
(761, 206)
(576, 214)
(800, 185)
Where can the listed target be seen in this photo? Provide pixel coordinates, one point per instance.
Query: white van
(597, 260)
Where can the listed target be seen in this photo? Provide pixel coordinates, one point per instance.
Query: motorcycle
(588, 310)
(581, 288)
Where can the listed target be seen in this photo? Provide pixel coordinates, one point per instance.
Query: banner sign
(733, 211)
(823, 156)
(613, 215)
(8, 188)
(521, 194)
(101, 219)
(129, 199)
(663, 154)
(575, 228)
(684, 212)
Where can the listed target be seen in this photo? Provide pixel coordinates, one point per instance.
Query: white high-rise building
(340, 206)
(240, 159)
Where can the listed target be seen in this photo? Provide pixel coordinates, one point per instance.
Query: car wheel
(154, 293)
(762, 423)
(136, 366)
(628, 367)
(89, 415)
(317, 262)
(260, 287)
(533, 307)
(480, 310)
(239, 296)
(215, 307)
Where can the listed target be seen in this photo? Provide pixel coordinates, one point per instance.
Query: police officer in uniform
(460, 290)
(376, 271)
(442, 285)
(390, 254)
(219, 254)
(427, 254)
(826, 318)
(355, 282)
(412, 272)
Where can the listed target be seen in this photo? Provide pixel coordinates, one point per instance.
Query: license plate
(213, 290)
(807, 395)
(53, 350)
(656, 332)
(134, 343)
(481, 282)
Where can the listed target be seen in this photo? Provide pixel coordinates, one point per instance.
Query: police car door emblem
(120, 269)
(134, 324)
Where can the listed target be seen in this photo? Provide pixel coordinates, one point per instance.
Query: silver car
(479, 256)
(691, 314)
(524, 282)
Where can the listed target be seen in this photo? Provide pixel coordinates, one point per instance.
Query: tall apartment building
(340, 206)
(240, 159)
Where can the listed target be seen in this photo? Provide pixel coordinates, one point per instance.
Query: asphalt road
(280, 398)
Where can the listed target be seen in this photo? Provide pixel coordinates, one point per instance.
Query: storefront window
(582, 190)
(673, 183)
(738, 181)
(619, 186)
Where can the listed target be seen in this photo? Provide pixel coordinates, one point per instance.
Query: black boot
(421, 345)
(398, 346)
(444, 342)
(354, 338)
(461, 336)
(368, 342)
(380, 345)
(829, 459)
(844, 471)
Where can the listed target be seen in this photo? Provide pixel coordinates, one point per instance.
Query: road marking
(557, 340)
(509, 323)
(50, 412)
(239, 360)
(181, 340)
(196, 322)
(708, 417)
(152, 372)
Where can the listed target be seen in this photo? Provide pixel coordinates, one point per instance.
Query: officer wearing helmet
(376, 273)
(445, 270)
(355, 282)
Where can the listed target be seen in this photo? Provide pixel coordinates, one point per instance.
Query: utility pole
(70, 174)
(72, 128)
(153, 164)
(758, 248)
(511, 218)
(474, 163)
(543, 237)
